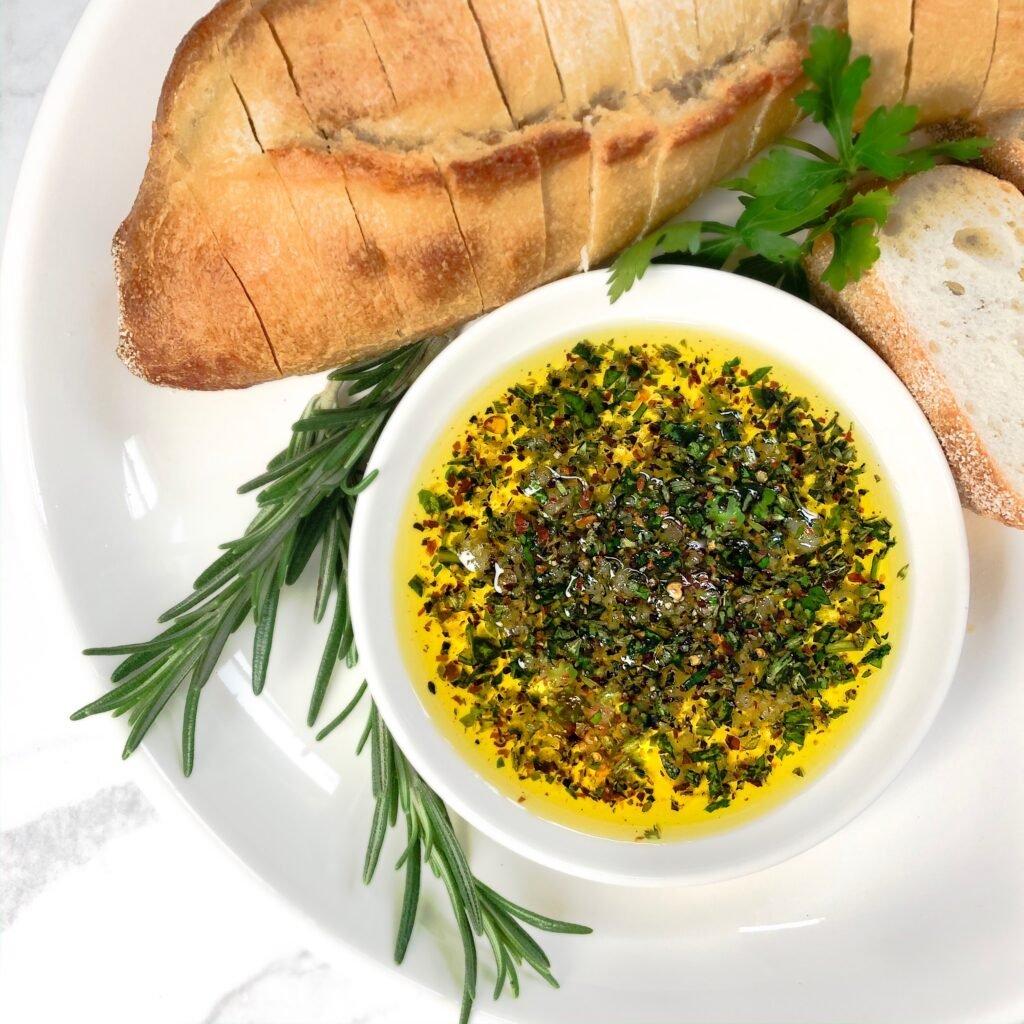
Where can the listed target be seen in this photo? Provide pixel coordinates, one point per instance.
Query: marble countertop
(113, 909)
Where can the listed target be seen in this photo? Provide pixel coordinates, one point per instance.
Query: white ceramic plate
(914, 912)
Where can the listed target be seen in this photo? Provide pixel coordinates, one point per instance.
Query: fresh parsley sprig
(305, 502)
(798, 192)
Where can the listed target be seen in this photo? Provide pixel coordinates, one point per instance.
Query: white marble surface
(111, 909)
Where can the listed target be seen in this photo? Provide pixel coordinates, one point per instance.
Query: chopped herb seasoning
(653, 576)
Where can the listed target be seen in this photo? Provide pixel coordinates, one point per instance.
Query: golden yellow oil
(421, 645)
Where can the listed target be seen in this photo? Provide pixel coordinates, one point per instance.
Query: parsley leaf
(797, 192)
(633, 263)
(855, 237)
(837, 83)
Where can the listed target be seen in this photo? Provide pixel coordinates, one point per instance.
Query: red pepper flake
(543, 534)
(431, 546)
(732, 742)
(522, 524)
(856, 577)
(451, 671)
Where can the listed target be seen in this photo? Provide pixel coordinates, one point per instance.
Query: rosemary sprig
(305, 502)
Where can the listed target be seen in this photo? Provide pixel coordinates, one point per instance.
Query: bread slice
(406, 215)
(1004, 87)
(498, 200)
(746, 88)
(784, 58)
(362, 301)
(260, 74)
(689, 142)
(1005, 157)
(517, 45)
(437, 68)
(333, 61)
(624, 151)
(730, 28)
(171, 272)
(663, 40)
(881, 29)
(944, 306)
(950, 54)
(591, 52)
(563, 149)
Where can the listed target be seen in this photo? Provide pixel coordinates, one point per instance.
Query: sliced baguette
(1004, 87)
(663, 40)
(371, 171)
(944, 306)
(517, 45)
(406, 215)
(332, 60)
(950, 54)
(441, 78)
(1005, 157)
(591, 51)
(881, 29)
(496, 193)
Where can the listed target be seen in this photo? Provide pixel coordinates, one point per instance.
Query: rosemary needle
(305, 501)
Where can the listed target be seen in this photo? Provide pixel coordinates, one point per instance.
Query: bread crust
(591, 52)
(867, 309)
(170, 272)
(1004, 87)
(517, 45)
(497, 196)
(406, 215)
(563, 149)
(333, 61)
(431, 51)
(950, 55)
(881, 29)
(663, 40)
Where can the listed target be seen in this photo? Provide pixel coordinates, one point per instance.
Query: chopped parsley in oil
(654, 577)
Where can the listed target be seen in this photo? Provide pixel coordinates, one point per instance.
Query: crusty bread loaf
(881, 29)
(1003, 86)
(944, 306)
(364, 172)
(950, 54)
(1005, 156)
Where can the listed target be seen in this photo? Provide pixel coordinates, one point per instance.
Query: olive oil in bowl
(650, 584)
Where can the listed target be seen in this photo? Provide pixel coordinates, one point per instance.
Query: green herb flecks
(679, 590)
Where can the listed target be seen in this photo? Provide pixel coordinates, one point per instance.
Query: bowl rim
(849, 373)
